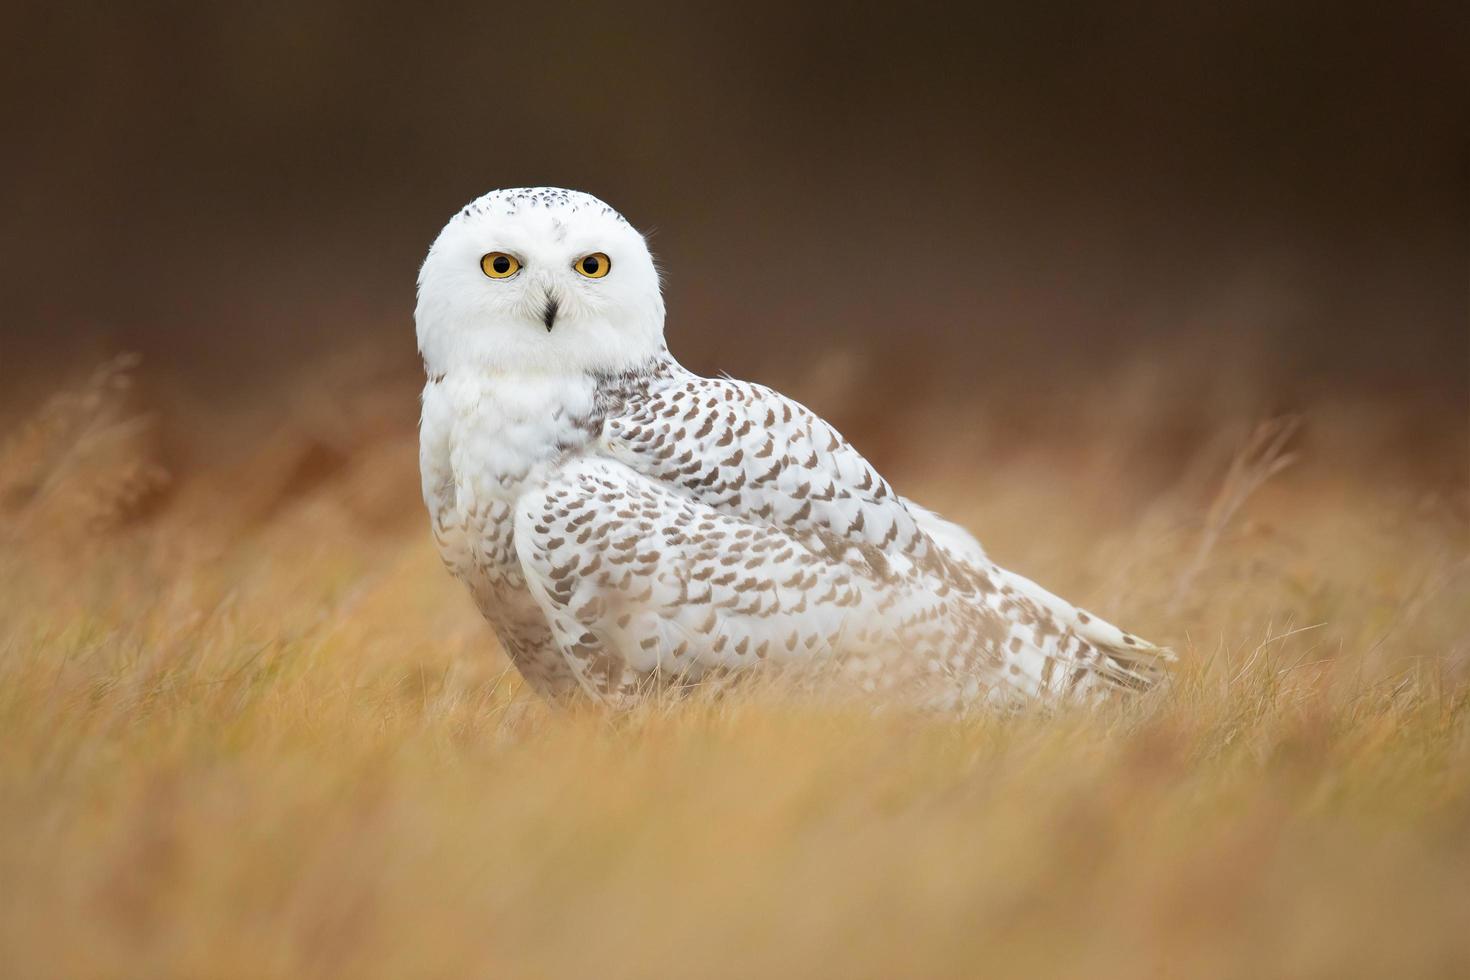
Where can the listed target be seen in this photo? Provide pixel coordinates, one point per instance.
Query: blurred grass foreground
(249, 727)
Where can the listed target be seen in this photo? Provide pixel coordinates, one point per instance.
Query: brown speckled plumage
(641, 527)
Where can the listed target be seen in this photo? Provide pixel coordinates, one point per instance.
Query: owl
(628, 527)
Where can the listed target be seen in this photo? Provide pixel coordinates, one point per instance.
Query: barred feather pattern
(649, 529)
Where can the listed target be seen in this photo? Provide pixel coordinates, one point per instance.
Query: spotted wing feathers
(644, 586)
(721, 526)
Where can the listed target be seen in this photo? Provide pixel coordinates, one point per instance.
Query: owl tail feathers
(1115, 657)
(1139, 666)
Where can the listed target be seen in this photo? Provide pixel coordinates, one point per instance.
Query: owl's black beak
(548, 315)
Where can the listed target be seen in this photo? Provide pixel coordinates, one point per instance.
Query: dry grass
(248, 727)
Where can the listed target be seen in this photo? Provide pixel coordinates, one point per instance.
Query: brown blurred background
(1023, 196)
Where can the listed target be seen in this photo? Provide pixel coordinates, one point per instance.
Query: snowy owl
(628, 526)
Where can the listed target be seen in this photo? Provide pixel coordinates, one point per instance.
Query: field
(250, 728)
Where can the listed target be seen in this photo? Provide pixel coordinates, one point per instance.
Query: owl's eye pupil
(501, 264)
(589, 265)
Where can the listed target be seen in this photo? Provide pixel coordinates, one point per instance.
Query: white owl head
(539, 280)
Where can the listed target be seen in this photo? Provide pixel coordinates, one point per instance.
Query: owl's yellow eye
(499, 265)
(593, 266)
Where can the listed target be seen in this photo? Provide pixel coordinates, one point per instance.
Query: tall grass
(249, 727)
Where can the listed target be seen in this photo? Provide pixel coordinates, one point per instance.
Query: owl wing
(642, 584)
(743, 449)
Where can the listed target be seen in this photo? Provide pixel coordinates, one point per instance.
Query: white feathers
(626, 525)
(467, 320)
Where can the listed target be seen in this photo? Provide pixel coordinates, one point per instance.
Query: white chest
(484, 438)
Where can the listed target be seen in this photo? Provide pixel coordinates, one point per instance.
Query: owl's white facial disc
(548, 314)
